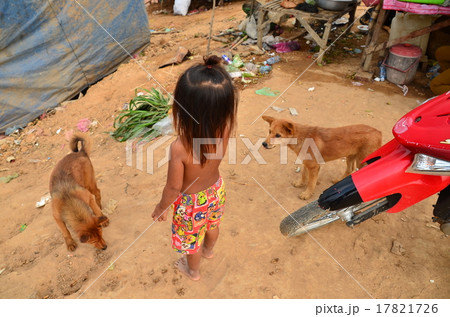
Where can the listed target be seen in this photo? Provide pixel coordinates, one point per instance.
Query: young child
(204, 113)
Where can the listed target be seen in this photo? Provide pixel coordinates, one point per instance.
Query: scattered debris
(404, 89)
(286, 47)
(2, 270)
(266, 91)
(277, 109)
(357, 83)
(293, 112)
(43, 201)
(7, 179)
(163, 11)
(265, 69)
(10, 159)
(83, 125)
(23, 227)
(311, 89)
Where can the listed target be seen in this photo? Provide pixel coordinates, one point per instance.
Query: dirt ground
(253, 259)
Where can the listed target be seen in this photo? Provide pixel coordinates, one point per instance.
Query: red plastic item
(427, 135)
(406, 50)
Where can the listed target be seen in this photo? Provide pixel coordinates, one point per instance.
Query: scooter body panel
(387, 175)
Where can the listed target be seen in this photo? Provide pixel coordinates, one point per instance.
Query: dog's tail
(85, 144)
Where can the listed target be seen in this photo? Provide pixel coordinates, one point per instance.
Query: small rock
(275, 297)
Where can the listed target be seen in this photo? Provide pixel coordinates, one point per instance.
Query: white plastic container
(405, 23)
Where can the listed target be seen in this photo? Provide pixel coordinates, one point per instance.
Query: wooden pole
(211, 26)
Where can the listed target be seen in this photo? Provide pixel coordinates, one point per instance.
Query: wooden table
(305, 19)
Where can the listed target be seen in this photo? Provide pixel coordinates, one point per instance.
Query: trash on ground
(273, 60)
(251, 67)
(181, 7)
(23, 227)
(357, 83)
(164, 126)
(293, 112)
(286, 47)
(311, 88)
(83, 125)
(277, 109)
(10, 159)
(43, 201)
(265, 69)
(404, 89)
(341, 21)
(7, 179)
(266, 91)
(163, 11)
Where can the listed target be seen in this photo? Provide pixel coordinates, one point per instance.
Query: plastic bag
(181, 7)
(164, 126)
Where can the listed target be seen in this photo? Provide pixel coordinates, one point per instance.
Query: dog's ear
(101, 220)
(85, 237)
(268, 119)
(288, 127)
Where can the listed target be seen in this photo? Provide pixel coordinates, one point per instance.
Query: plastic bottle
(226, 59)
(265, 69)
(382, 72)
(273, 60)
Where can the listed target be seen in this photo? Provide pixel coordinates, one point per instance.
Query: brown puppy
(353, 142)
(74, 190)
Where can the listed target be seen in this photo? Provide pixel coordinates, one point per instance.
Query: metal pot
(334, 5)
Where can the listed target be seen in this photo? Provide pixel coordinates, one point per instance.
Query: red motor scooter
(409, 168)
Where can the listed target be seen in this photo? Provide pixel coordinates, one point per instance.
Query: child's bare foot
(209, 254)
(182, 265)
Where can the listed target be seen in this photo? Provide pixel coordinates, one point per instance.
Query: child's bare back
(205, 105)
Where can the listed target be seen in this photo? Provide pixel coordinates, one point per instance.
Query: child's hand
(159, 213)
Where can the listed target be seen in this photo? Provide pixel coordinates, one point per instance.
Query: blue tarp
(50, 50)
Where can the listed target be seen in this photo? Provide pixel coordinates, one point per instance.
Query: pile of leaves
(143, 111)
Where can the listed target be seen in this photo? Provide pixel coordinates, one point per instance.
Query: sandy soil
(253, 260)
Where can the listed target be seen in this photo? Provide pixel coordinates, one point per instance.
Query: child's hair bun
(212, 60)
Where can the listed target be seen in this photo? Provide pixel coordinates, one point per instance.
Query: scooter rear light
(424, 164)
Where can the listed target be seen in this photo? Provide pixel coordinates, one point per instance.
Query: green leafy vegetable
(143, 112)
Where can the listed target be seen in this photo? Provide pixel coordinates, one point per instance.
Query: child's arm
(174, 181)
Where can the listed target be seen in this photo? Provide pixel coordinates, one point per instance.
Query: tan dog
(353, 142)
(76, 199)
